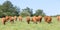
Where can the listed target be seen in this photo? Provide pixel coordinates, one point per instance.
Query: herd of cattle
(34, 19)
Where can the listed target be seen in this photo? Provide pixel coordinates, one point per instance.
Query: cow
(48, 19)
(34, 19)
(3, 20)
(58, 18)
(7, 18)
(28, 19)
(39, 18)
(20, 18)
(15, 18)
(45, 18)
(11, 19)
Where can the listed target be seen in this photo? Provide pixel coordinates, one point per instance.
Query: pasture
(18, 25)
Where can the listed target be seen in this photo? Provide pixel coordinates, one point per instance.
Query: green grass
(55, 25)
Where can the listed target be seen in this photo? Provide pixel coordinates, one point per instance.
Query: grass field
(55, 25)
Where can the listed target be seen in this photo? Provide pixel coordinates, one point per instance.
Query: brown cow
(28, 19)
(3, 20)
(45, 18)
(39, 18)
(11, 19)
(15, 18)
(20, 18)
(34, 19)
(7, 18)
(58, 18)
(48, 19)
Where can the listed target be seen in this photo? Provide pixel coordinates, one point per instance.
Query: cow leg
(40, 20)
(20, 20)
(16, 19)
(28, 21)
(4, 22)
(35, 22)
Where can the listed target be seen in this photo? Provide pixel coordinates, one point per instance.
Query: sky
(50, 7)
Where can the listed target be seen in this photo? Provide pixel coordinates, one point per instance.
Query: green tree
(39, 12)
(24, 14)
(27, 12)
(7, 8)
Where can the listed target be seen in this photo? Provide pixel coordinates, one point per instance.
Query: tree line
(7, 8)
